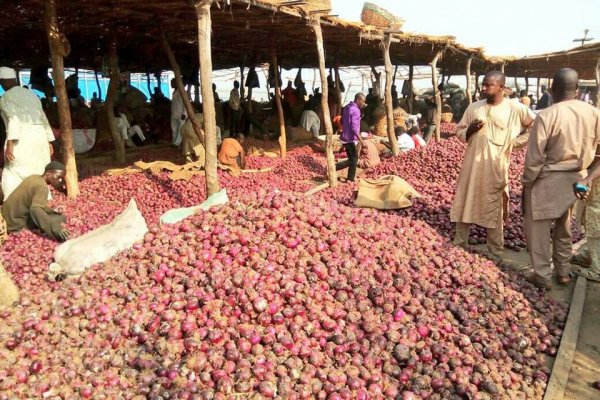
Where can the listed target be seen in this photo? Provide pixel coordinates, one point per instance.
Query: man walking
(491, 128)
(350, 136)
(561, 147)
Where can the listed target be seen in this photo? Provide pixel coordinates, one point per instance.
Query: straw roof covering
(583, 59)
(244, 31)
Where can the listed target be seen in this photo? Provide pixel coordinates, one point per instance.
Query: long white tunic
(28, 126)
(482, 188)
(177, 110)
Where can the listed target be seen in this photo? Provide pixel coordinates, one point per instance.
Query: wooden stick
(98, 85)
(242, 89)
(468, 76)
(557, 384)
(181, 89)
(437, 95)
(338, 90)
(59, 49)
(111, 95)
(210, 125)
(598, 83)
(411, 94)
(315, 24)
(148, 85)
(526, 83)
(281, 118)
(388, 95)
(538, 89)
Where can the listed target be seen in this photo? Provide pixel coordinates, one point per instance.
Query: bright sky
(507, 27)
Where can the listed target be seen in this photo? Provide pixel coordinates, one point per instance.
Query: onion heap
(277, 296)
(433, 171)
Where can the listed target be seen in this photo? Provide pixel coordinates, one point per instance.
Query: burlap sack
(386, 193)
(299, 134)
(380, 128)
(9, 293)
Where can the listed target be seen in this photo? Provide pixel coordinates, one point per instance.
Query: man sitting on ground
(27, 205)
(405, 142)
(232, 153)
(414, 134)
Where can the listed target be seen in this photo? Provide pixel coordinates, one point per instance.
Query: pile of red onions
(273, 295)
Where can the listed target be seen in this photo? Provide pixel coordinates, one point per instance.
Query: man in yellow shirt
(232, 153)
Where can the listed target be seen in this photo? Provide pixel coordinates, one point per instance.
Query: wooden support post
(338, 90)
(597, 76)
(437, 95)
(517, 88)
(242, 90)
(468, 76)
(411, 94)
(280, 116)
(388, 95)
(315, 24)
(98, 85)
(189, 109)
(148, 83)
(526, 83)
(502, 66)
(157, 76)
(208, 101)
(538, 89)
(59, 48)
(111, 95)
(197, 94)
(477, 89)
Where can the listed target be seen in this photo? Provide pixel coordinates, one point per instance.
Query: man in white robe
(178, 115)
(28, 146)
(491, 128)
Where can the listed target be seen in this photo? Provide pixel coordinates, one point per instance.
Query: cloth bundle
(388, 192)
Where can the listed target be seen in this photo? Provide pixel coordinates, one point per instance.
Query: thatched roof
(243, 32)
(583, 59)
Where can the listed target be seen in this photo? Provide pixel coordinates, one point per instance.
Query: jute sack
(299, 134)
(9, 293)
(386, 193)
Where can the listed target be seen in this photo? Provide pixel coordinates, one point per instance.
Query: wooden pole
(98, 85)
(338, 90)
(517, 88)
(477, 89)
(538, 89)
(281, 118)
(527, 83)
(59, 48)
(411, 95)
(468, 76)
(111, 95)
(148, 83)
(242, 90)
(315, 24)
(502, 66)
(598, 83)
(388, 94)
(437, 95)
(189, 109)
(210, 124)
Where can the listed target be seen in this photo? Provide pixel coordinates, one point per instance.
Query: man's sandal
(580, 260)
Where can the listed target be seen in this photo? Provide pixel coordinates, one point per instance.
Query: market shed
(585, 59)
(187, 36)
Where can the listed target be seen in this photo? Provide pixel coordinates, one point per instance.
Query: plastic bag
(75, 256)
(179, 214)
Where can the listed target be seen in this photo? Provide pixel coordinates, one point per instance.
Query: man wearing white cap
(27, 150)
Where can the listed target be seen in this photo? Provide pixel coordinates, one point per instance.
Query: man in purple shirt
(350, 135)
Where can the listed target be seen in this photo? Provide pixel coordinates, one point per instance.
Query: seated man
(309, 120)
(415, 135)
(125, 129)
(27, 205)
(192, 148)
(405, 142)
(232, 153)
(368, 157)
